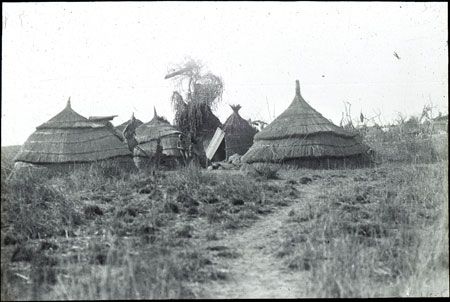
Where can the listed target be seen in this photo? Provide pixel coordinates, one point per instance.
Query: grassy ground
(385, 235)
(89, 236)
(367, 233)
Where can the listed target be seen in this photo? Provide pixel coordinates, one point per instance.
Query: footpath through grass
(369, 233)
(373, 233)
(88, 235)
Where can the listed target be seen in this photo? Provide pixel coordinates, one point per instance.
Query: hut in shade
(70, 140)
(302, 137)
(208, 128)
(238, 133)
(170, 139)
(235, 138)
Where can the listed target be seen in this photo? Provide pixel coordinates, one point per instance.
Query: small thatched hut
(238, 133)
(122, 126)
(302, 137)
(70, 140)
(236, 137)
(170, 140)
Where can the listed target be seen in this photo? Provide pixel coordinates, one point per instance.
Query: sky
(110, 58)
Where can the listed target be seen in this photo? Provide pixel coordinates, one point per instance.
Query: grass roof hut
(238, 133)
(122, 126)
(302, 137)
(170, 139)
(69, 139)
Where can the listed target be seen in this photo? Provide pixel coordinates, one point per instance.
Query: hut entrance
(216, 148)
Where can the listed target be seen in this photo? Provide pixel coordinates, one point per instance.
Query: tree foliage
(196, 96)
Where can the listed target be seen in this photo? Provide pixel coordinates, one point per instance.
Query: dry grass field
(191, 233)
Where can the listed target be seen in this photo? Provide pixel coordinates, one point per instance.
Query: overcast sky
(111, 58)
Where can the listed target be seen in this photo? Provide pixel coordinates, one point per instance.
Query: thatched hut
(149, 135)
(238, 133)
(236, 137)
(302, 137)
(70, 140)
(122, 126)
(106, 120)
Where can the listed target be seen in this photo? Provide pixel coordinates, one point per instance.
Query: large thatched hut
(70, 140)
(302, 137)
(158, 131)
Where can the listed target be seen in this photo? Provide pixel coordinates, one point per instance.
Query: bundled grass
(392, 235)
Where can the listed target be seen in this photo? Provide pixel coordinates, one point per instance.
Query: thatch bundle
(147, 136)
(69, 138)
(238, 133)
(302, 137)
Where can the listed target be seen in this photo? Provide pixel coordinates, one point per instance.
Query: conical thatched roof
(148, 133)
(238, 133)
(301, 132)
(122, 126)
(158, 127)
(299, 120)
(66, 119)
(69, 137)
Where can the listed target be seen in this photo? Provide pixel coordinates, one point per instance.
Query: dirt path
(255, 272)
